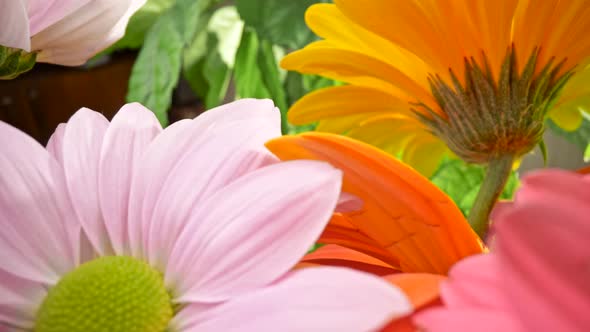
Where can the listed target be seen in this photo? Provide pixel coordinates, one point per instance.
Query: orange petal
(421, 288)
(335, 255)
(403, 212)
(341, 232)
(584, 170)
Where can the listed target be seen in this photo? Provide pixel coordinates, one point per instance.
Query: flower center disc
(112, 293)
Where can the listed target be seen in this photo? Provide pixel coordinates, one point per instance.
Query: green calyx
(111, 293)
(486, 119)
(14, 61)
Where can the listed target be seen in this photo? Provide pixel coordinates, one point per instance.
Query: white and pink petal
(82, 144)
(190, 161)
(126, 139)
(37, 226)
(253, 231)
(315, 299)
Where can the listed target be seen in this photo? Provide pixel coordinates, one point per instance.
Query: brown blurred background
(37, 101)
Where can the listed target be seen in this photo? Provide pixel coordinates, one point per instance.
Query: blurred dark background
(37, 101)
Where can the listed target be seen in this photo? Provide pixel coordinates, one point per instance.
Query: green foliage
(14, 61)
(579, 137)
(462, 181)
(278, 21)
(247, 74)
(211, 47)
(141, 22)
(156, 72)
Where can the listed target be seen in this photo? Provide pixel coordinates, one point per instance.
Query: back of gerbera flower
(475, 79)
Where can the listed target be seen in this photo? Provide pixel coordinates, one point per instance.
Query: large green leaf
(279, 21)
(157, 68)
(462, 181)
(247, 74)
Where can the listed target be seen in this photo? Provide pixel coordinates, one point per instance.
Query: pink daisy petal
(481, 320)
(151, 171)
(126, 138)
(44, 13)
(82, 144)
(230, 152)
(55, 145)
(36, 223)
(19, 300)
(14, 24)
(188, 162)
(78, 36)
(315, 299)
(251, 232)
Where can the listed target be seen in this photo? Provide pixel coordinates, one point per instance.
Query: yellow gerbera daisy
(478, 77)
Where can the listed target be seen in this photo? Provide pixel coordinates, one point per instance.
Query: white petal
(14, 25)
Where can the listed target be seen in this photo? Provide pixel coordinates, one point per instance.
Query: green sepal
(14, 61)
(543, 148)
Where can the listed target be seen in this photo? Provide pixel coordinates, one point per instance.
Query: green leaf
(141, 22)
(279, 21)
(272, 80)
(587, 154)
(14, 61)
(247, 75)
(227, 27)
(157, 68)
(462, 181)
(579, 137)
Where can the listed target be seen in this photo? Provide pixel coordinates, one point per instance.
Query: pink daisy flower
(65, 32)
(123, 226)
(537, 277)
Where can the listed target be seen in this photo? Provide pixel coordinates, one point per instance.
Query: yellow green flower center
(112, 293)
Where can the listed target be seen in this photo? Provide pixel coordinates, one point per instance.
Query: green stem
(496, 176)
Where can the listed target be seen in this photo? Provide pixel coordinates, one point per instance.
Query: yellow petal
(341, 125)
(328, 22)
(357, 68)
(424, 154)
(342, 101)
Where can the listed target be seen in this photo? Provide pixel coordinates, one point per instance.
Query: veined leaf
(279, 21)
(462, 181)
(157, 68)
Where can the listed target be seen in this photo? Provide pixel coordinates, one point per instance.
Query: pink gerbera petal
(536, 276)
(315, 299)
(467, 319)
(251, 232)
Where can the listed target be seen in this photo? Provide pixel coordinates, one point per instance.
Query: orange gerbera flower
(478, 77)
(405, 224)
(405, 221)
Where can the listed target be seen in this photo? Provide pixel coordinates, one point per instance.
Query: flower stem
(496, 176)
